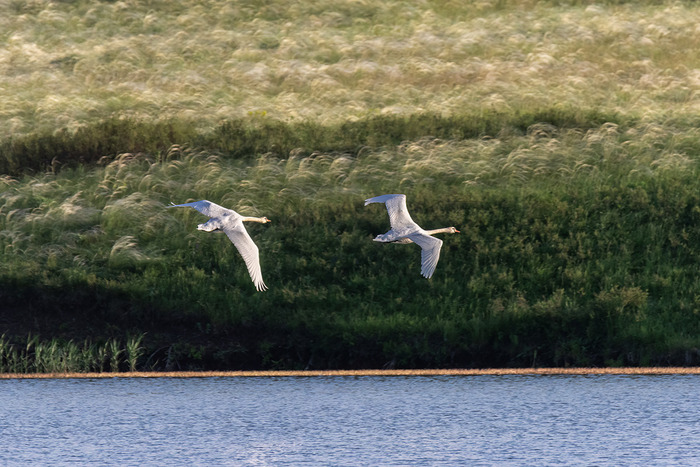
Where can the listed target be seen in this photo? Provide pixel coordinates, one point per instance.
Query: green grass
(575, 250)
(560, 138)
(242, 138)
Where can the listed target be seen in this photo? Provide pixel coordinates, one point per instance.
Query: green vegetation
(56, 356)
(561, 138)
(576, 250)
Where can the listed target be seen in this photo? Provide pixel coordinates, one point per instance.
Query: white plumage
(231, 223)
(405, 230)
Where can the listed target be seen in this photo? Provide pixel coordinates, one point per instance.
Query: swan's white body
(231, 223)
(404, 230)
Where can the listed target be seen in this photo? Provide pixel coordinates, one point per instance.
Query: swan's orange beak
(457, 231)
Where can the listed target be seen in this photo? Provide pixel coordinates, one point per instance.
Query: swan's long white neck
(261, 220)
(442, 230)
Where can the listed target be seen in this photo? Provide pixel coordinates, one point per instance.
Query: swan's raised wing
(248, 250)
(430, 252)
(206, 207)
(399, 218)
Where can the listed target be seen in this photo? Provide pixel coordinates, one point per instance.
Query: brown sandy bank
(426, 372)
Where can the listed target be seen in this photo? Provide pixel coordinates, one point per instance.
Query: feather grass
(560, 138)
(203, 63)
(572, 241)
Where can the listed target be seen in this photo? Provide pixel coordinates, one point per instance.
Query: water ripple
(446, 420)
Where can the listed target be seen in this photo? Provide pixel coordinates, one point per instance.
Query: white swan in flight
(404, 230)
(231, 223)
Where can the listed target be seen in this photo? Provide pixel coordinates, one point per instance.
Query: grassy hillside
(575, 250)
(561, 139)
(67, 64)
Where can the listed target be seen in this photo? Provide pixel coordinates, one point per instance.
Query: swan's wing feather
(207, 208)
(239, 236)
(399, 218)
(430, 252)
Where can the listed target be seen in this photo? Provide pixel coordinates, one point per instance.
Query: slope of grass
(577, 248)
(560, 137)
(65, 65)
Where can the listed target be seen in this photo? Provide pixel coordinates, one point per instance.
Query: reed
(59, 356)
(134, 351)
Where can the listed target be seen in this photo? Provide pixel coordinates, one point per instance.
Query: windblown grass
(562, 139)
(578, 248)
(67, 64)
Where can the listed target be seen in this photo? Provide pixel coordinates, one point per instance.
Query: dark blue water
(452, 420)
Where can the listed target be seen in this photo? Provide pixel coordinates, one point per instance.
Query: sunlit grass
(66, 64)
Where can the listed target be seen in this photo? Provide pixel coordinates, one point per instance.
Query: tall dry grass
(66, 64)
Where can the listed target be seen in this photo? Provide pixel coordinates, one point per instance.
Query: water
(451, 420)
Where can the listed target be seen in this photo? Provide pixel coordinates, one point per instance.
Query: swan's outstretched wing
(206, 207)
(430, 252)
(399, 218)
(248, 250)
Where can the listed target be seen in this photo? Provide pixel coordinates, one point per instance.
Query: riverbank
(570, 167)
(358, 373)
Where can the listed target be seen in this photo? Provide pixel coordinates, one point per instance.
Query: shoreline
(369, 372)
